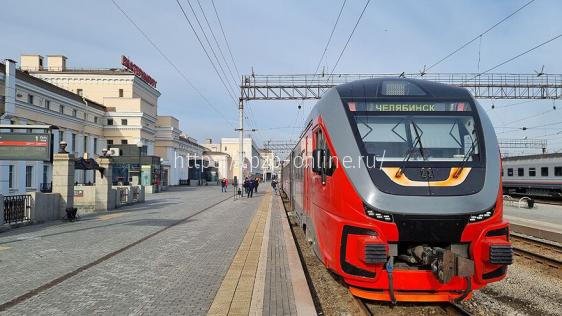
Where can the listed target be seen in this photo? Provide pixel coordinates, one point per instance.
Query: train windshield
(418, 132)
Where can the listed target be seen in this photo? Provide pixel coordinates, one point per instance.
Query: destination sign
(25, 146)
(409, 107)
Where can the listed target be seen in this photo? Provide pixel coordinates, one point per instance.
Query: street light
(140, 145)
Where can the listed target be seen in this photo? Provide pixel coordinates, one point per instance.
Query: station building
(130, 98)
(27, 100)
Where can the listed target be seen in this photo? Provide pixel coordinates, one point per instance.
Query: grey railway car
(533, 175)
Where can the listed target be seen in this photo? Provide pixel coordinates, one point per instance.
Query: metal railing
(17, 208)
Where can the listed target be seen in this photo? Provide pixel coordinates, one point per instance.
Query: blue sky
(284, 37)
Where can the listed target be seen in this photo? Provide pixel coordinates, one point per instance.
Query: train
(533, 175)
(397, 185)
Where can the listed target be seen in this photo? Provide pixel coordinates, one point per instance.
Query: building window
(45, 173)
(109, 121)
(74, 113)
(96, 119)
(61, 136)
(61, 109)
(224, 148)
(558, 171)
(73, 142)
(85, 144)
(124, 122)
(532, 172)
(28, 176)
(544, 171)
(510, 172)
(47, 104)
(80, 92)
(109, 142)
(120, 93)
(30, 98)
(520, 172)
(95, 145)
(11, 176)
(124, 142)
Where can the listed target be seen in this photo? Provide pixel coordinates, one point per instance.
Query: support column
(105, 196)
(1, 209)
(241, 143)
(63, 180)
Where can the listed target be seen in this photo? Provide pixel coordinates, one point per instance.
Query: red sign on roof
(137, 71)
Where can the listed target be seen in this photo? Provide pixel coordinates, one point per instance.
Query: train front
(426, 221)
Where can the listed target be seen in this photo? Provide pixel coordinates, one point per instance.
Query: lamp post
(140, 145)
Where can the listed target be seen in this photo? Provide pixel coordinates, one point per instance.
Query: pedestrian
(251, 185)
(274, 185)
(226, 183)
(223, 184)
(245, 185)
(256, 183)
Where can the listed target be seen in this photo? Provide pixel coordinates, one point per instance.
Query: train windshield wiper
(417, 142)
(466, 156)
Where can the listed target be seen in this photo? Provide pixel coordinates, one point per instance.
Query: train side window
(558, 171)
(520, 172)
(510, 172)
(502, 172)
(544, 171)
(532, 172)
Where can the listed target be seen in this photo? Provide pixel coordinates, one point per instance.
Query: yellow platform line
(235, 293)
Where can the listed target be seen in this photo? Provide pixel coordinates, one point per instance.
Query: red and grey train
(397, 185)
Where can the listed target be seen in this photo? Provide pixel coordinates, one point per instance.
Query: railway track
(548, 253)
(448, 308)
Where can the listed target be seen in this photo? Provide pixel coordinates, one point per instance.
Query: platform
(543, 220)
(175, 255)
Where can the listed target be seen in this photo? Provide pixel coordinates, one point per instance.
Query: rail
(17, 208)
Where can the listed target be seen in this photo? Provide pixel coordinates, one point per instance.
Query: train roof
(531, 157)
(393, 87)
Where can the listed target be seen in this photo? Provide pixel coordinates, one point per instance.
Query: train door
(322, 184)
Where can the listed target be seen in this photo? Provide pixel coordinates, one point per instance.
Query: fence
(17, 208)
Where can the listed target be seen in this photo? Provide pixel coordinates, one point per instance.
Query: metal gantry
(281, 148)
(485, 86)
(509, 143)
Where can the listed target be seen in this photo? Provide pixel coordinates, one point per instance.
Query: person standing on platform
(251, 184)
(257, 182)
(274, 186)
(223, 184)
(226, 183)
(245, 185)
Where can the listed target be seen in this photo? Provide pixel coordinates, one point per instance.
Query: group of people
(250, 186)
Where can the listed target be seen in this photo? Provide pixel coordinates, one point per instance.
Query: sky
(288, 37)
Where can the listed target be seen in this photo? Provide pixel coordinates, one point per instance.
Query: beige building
(27, 100)
(253, 160)
(177, 150)
(271, 167)
(131, 98)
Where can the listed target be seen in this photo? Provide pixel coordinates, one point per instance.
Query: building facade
(253, 160)
(27, 100)
(131, 102)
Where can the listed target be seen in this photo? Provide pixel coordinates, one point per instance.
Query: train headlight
(481, 216)
(378, 215)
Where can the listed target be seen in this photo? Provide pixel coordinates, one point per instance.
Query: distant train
(533, 175)
(397, 185)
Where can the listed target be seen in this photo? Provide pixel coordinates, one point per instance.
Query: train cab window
(510, 172)
(322, 144)
(544, 171)
(532, 172)
(520, 172)
(558, 171)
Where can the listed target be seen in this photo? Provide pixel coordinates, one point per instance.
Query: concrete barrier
(45, 207)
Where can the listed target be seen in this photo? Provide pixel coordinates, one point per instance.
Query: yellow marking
(449, 182)
(110, 216)
(235, 293)
(4, 248)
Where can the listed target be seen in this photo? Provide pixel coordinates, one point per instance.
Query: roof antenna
(540, 73)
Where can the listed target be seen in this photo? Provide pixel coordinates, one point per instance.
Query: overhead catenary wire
(225, 39)
(205, 50)
(517, 56)
(217, 43)
(171, 63)
(478, 36)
